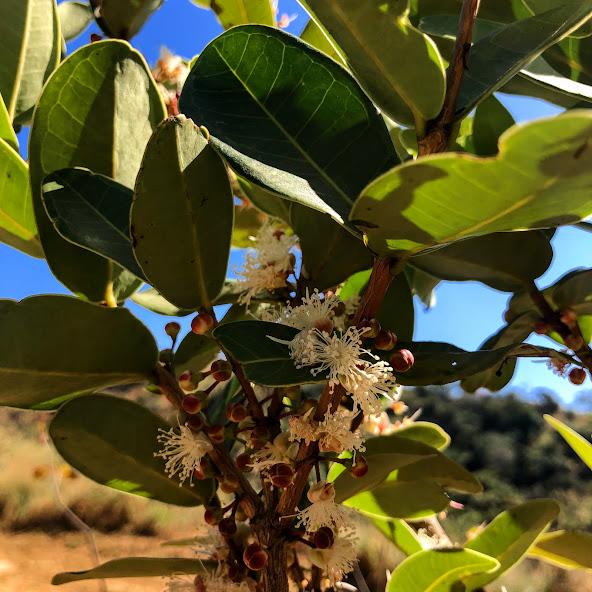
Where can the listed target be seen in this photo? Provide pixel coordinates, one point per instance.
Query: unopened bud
(227, 527)
(194, 423)
(281, 475)
(94, 38)
(372, 327)
(574, 342)
(323, 538)
(172, 330)
(240, 514)
(255, 557)
(360, 468)
(221, 370)
(186, 381)
(292, 392)
(577, 376)
(213, 516)
(236, 412)
(216, 433)
(321, 492)
(260, 436)
(243, 461)
(228, 483)
(202, 323)
(385, 340)
(402, 360)
(339, 309)
(191, 404)
(324, 325)
(569, 317)
(237, 572)
(541, 327)
(204, 470)
(199, 584)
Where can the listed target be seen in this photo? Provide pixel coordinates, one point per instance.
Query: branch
(439, 129)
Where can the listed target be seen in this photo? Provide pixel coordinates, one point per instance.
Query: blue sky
(466, 313)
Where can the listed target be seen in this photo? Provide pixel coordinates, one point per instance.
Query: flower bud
(569, 317)
(194, 423)
(216, 433)
(227, 527)
(236, 412)
(339, 309)
(240, 514)
(213, 516)
(323, 538)
(199, 584)
(255, 557)
(202, 323)
(186, 381)
(221, 370)
(204, 470)
(191, 404)
(540, 327)
(577, 376)
(385, 340)
(321, 492)
(292, 392)
(324, 325)
(372, 327)
(172, 330)
(243, 461)
(228, 483)
(260, 436)
(237, 572)
(574, 342)
(94, 37)
(360, 468)
(402, 360)
(281, 475)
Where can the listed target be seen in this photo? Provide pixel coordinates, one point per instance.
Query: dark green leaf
(396, 311)
(124, 18)
(134, 567)
(182, 215)
(92, 211)
(311, 119)
(565, 548)
(540, 179)
(194, 353)
(491, 120)
(59, 345)
(540, 6)
(374, 36)
(247, 221)
(269, 203)
(509, 536)
(503, 260)
(422, 285)
(74, 17)
(98, 91)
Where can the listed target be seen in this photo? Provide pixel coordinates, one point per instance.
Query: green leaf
(153, 301)
(540, 179)
(134, 567)
(311, 118)
(92, 211)
(96, 92)
(509, 536)
(425, 432)
(30, 47)
(503, 260)
(330, 253)
(565, 548)
(92, 433)
(74, 18)
(314, 35)
(422, 285)
(57, 345)
(240, 12)
(182, 215)
(375, 35)
(17, 221)
(124, 18)
(264, 360)
(401, 534)
(355, 285)
(269, 203)
(491, 120)
(495, 378)
(247, 221)
(194, 353)
(6, 130)
(580, 445)
(437, 570)
(540, 6)
(497, 57)
(574, 290)
(396, 310)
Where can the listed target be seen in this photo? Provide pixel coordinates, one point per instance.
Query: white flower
(209, 583)
(431, 542)
(367, 384)
(338, 559)
(323, 511)
(183, 452)
(303, 427)
(171, 68)
(268, 266)
(278, 451)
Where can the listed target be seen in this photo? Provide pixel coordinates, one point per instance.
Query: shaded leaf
(540, 6)
(92, 211)
(437, 570)
(565, 548)
(491, 120)
(96, 92)
(396, 310)
(401, 535)
(74, 17)
(374, 35)
(422, 285)
(194, 353)
(269, 203)
(540, 179)
(182, 215)
(508, 537)
(92, 433)
(134, 567)
(59, 345)
(30, 47)
(580, 445)
(314, 35)
(311, 118)
(124, 18)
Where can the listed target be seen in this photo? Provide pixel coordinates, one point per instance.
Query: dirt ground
(29, 560)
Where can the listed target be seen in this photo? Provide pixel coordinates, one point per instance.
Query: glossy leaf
(437, 570)
(194, 353)
(311, 118)
(401, 535)
(580, 445)
(6, 130)
(422, 285)
(539, 6)
(264, 360)
(374, 35)
(503, 260)
(97, 92)
(153, 301)
(269, 203)
(500, 55)
(182, 215)
(574, 290)
(540, 179)
(124, 18)
(92, 211)
(240, 12)
(74, 18)
(17, 221)
(565, 548)
(491, 120)
(134, 567)
(314, 35)
(396, 310)
(425, 432)
(58, 345)
(508, 537)
(92, 433)
(30, 47)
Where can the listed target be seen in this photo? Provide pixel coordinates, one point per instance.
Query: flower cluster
(170, 74)
(338, 559)
(267, 267)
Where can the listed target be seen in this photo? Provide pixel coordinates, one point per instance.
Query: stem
(439, 130)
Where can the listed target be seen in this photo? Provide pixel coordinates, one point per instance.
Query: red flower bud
(360, 468)
(228, 483)
(385, 340)
(202, 323)
(242, 462)
(577, 376)
(541, 328)
(260, 436)
(216, 433)
(194, 423)
(324, 326)
(236, 572)
(236, 412)
(373, 325)
(172, 329)
(213, 516)
(569, 317)
(221, 370)
(281, 475)
(204, 471)
(402, 360)
(191, 404)
(227, 527)
(323, 538)
(255, 557)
